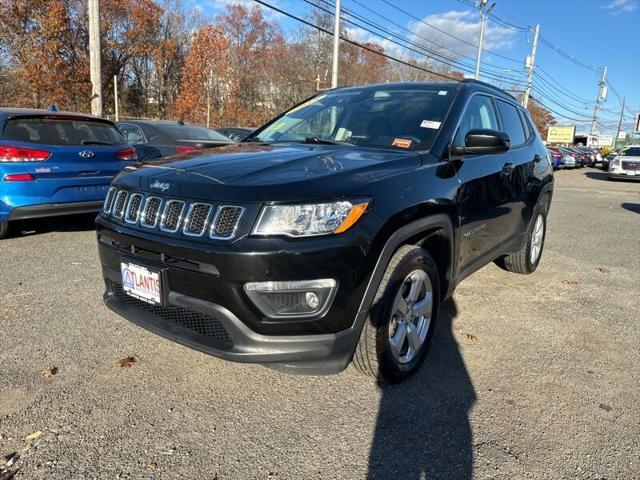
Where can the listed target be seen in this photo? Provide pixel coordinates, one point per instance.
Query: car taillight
(127, 154)
(187, 149)
(19, 177)
(10, 154)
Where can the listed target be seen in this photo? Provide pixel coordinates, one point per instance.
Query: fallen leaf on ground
(570, 282)
(152, 466)
(472, 339)
(605, 407)
(49, 372)
(603, 270)
(126, 362)
(33, 436)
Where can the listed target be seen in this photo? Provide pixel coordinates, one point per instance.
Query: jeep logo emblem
(164, 186)
(86, 154)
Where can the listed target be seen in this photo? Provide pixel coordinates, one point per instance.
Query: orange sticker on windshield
(401, 142)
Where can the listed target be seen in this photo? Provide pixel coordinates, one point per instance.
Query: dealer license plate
(141, 282)
(631, 173)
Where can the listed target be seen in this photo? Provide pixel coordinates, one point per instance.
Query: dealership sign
(561, 134)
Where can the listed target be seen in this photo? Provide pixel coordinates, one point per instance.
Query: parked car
(171, 138)
(569, 158)
(56, 163)
(590, 157)
(607, 159)
(237, 134)
(626, 164)
(557, 157)
(320, 239)
(579, 155)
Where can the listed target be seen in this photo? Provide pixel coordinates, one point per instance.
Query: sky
(577, 39)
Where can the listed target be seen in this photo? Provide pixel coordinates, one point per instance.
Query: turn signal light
(187, 149)
(19, 177)
(9, 154)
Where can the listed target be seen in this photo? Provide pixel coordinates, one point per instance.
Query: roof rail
(488, 85)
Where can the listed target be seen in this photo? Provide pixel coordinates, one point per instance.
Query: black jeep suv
(333, 233)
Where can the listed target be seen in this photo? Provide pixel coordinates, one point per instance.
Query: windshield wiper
(95, 142)
(324, 141)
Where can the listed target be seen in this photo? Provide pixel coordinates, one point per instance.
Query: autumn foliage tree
(204, 85)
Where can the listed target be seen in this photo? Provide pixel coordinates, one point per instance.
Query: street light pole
(94, 57)
(336, 46)
(483, 20)
(531, 66)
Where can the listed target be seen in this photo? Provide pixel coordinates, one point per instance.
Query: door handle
(507, 169)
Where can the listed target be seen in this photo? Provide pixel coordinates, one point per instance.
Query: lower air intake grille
(226, 222)
(202, 324)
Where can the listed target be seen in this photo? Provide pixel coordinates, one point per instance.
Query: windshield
(59, 131)
(191, 132)
(405, 118)
(630, 152)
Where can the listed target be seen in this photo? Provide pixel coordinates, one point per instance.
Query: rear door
(483, 196)
(83, 154)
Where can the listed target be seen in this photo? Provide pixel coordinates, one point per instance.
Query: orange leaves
(126, 362)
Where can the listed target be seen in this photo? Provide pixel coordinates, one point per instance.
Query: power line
(566, 55)
(347, 40)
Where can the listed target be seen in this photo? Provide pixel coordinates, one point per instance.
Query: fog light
(305, 298)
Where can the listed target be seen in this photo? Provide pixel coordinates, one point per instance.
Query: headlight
(306, 220)
(615, 163)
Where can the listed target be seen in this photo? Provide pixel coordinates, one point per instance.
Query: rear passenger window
(511, 123)
(527, 125)
(479, 114)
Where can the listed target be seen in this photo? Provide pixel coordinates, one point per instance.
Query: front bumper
(205, 307)
(622, 174)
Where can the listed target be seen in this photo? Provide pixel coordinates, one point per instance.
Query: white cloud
(460, 40)
(618, 7)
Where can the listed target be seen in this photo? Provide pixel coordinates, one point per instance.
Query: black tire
(521, 262)
(4, 229)
(373, 355)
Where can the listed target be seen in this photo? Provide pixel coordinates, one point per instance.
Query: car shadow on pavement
(423, 428)
(67, 223)
(597, 175)
(632, 207)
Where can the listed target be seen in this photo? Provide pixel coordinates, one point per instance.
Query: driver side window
(479, 114)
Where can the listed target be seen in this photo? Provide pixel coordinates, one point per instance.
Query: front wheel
(397, 333)
(4, 229)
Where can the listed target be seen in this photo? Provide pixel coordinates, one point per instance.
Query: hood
(268, 172)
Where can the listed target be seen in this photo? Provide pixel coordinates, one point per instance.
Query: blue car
(56, 163)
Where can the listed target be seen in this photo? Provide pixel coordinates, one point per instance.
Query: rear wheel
(397, 333)
(526, 260)
(4, 229)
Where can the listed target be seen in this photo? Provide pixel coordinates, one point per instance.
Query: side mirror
(482, 141)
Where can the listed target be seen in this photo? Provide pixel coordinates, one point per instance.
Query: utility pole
(615, 139)
(483, 19)
(336, 46)
(601, 94)
(115, 96)
(531, 66)
(94, 57)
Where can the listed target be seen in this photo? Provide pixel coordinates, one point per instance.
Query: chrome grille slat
(150, 212)
(132, 214)
(172, 216)
(120, 203)
(226, 222)
(195, 223)
(108, 201)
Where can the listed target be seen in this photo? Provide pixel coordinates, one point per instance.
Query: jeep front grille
(133, 208)
(226, 221)
(121, 201)
(108, 201)
(171, 215)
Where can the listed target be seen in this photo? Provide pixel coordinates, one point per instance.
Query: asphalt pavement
(529, 376)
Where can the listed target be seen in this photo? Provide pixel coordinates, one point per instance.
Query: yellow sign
(561, 134)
